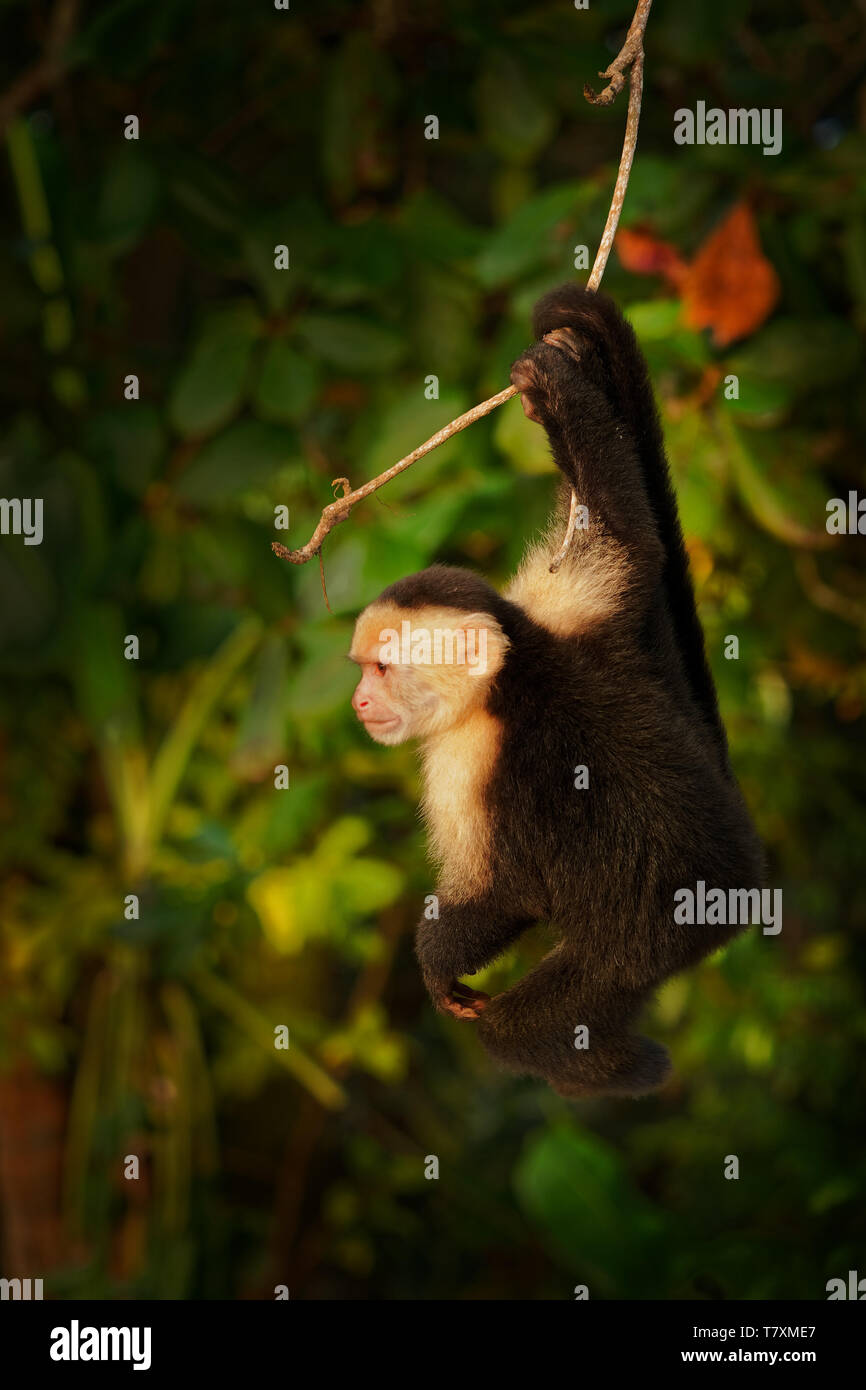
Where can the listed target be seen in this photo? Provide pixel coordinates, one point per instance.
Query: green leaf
(405, 425)
(343, 564)
(125, 36)
(431, 526)
(791, 508)
(515, 122)
(368, 885)
(210, 388)
(761, 402)
(697, 465)
(577, 1189)
(243, 459)
(434, 232)
(261, 736)
(667, 194)
(272, 824)
(326, 679)
(128, 442)
(355, 136)
(445, 323)
(802, 354)
(128, 199)
(363, 262)
(384, 565)
(286, 385)
(657, 325)
(540, 233)
(299, 224)
(173, 755)
(301, 902)
(351, 343)
(106, 683)
(209, 202)
(30, 607)
(342, 839)
(654, 319)
(291, 904)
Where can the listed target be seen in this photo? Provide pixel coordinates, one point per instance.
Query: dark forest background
(261, 907)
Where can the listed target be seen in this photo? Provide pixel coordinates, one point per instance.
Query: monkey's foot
(462, 1002)
(649, 1071)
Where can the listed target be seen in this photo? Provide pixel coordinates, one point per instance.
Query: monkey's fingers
(459, 1001)
(530, 383)
(566, 340)
(446, 1005)
(467, 992)
(542, 376)
(474, 999)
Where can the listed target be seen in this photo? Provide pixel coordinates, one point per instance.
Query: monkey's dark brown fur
(621, 686)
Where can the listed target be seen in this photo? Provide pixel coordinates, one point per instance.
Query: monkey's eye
(381, 667)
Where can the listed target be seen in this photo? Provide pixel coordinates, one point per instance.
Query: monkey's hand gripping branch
(629, 59)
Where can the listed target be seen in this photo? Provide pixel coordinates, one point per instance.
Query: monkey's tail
(597, 317)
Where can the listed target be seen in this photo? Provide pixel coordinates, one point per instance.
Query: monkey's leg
(463, 939)
(560, 1024)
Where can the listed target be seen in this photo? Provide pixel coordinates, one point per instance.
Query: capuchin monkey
(598, 666)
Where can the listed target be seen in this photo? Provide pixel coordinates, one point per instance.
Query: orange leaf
(730, 287)
(646, 254)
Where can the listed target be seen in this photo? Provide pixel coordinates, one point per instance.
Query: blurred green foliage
(261, 907)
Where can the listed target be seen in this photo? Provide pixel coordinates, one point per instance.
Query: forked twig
(629, 59)
(338, 511)
(39, 78)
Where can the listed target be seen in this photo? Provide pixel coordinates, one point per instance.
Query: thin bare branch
(631, 51)
(824, 596)
(569, 534)
(629, 145)
(628, 60)
(50, 67)
(338, 511)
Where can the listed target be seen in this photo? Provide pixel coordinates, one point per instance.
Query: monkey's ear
(495, 643)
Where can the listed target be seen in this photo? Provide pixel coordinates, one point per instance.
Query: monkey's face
(390, 704)
(423, 670)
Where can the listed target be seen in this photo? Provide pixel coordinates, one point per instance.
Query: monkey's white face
(422, 671)
(389, 711)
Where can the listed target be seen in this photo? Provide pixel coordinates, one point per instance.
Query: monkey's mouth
(379, 723)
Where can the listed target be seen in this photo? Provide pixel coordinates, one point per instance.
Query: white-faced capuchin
(599, 666)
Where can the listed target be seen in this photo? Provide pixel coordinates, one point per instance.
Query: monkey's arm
(588, 385)
(585, 383)
(463, 939)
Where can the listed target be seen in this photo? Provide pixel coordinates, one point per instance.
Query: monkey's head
(428, 649)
